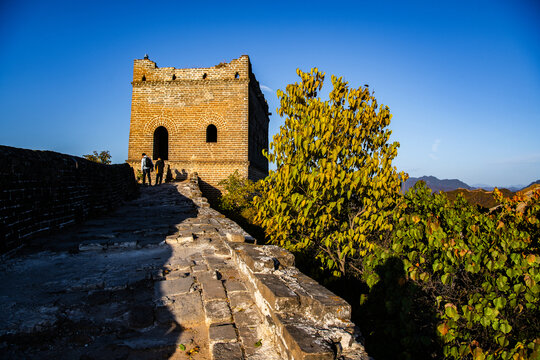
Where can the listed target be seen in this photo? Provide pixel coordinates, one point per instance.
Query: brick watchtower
(212, 121)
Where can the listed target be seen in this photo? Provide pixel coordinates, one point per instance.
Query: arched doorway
(161, 143)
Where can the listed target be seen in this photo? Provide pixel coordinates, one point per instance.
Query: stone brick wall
(258, 131)
(43, 191)
(185, 102)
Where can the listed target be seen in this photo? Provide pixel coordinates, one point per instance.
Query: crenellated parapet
(146, 71)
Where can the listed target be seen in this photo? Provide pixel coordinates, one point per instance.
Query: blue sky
(462, 78)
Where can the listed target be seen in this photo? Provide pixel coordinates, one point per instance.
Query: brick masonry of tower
(212, 121)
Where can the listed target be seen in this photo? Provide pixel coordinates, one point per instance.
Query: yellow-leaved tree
(334, 188)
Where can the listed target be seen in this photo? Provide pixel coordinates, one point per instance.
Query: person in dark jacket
(160, 165)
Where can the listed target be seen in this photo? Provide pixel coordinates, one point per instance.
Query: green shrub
(479, 273)
(238, 196)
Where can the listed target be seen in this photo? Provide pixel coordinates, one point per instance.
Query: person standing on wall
(146, 168)
(160, 165)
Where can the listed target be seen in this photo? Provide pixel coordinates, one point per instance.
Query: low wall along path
(166, 276)
(44, 191)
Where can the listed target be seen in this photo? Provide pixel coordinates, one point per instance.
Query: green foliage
(238, 196)
(334, 189)
(443, 280)
(103, 157)
(480, 272)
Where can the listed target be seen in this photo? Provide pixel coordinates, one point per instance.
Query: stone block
(176, 274)
(303, 340)
(179, 263)
(235, 237)
(222, 249)
(276, 292)
(233, 285)
(169, 288)
(227, 351)
(284, 257)
(215, 262)
(204, 276)
(247, 318)
(240, 299)
(199, 268)
(185, 239)
(255, 258)
(171, 239)
(213, 290)
(249, 337)
(217, 312)
(187, 309)
(154, 339)
(164, 315)
(222, 332)
(321, 302)
(230, 273)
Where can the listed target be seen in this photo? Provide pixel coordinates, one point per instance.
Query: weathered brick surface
(185, 102)
(43, 191)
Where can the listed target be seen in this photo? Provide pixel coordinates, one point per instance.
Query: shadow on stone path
(89, 293)
(153, 280)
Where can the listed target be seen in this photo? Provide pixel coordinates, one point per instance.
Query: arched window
(161, 143)
(211, 133)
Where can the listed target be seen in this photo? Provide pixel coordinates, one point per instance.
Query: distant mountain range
(490, 188)
(435, 184)
(453, 184)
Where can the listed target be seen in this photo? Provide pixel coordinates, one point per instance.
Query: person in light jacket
(146, 168)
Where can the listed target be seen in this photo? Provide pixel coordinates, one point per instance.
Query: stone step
(170, 288)
(284, 257)
(303, 340)
(275, 291)
(321, 303)
(263, 258)
(227, 351)
(254, 257)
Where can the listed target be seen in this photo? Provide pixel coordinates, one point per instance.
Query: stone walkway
(153, 280)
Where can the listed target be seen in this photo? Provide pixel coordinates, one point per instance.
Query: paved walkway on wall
(125, 287)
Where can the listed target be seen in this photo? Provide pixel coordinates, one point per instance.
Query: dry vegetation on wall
(427, 277)
(104, 157)
(484, 199)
